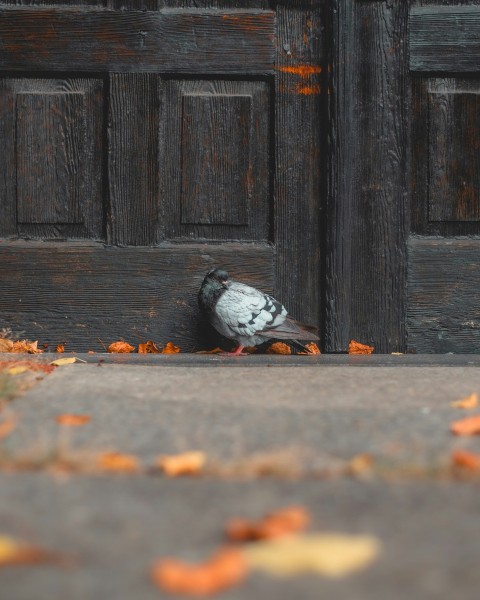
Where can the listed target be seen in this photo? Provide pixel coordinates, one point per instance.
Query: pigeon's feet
(236, 352)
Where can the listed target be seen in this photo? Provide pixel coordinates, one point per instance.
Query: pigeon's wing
(248, 312)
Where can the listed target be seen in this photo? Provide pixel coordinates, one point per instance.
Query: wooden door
(146, 141)
(403, 253)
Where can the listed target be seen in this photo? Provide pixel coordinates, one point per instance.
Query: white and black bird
(246, 315)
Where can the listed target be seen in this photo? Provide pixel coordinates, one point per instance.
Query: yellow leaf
(188, 463)
(64, 361)
(330, 554)
(8, 548)
(468, 402)
(5, 345)
(17, 370)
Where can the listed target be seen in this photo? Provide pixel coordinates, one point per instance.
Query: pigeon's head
(218, 277)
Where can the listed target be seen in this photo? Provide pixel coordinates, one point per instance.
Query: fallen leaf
(148, 348)
(60, 348)
(64, 361)
(115, 461)
(467, 426)
(7, 426)
(13, 552)
(17, 370)
(216, 350)
(26, 346)
(187, 463)
(5, 345)
(358, 348)
(279, 348)
(120, 347)
(312, 348)
(329, 554)
(468, 402)
(276, 524)
(360, 465)
(223, 570)
(466, 459)
(170, 349)
(72, 420)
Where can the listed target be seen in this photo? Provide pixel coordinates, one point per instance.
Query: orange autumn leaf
(72, 420)
(13, 552)
(468, 402)
(148, 348)
(60, 348)
(5, 345)
(116, 461)
(223, 570)
(7, 426)
(311, 348)
(274, 525)
(187, 463)
(216, 350)
(279, 348)
(358, 348)
(170, 349)
(26, 346)
(466, 460)
(120, 347)
(467, 426)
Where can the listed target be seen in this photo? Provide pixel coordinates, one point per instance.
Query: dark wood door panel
(75, 293)
(51, 172)
(443, 295)
(170, 41)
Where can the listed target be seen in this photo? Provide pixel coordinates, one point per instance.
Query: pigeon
(246, 315)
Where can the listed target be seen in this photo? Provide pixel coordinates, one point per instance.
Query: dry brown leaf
(116, 461)
(26, 346)
(187, 463)
(279, 348)
(170, 349)
(120, 347)
(60, 348)
(223, 570)
(358, 348)
(13, 552)
(329, 554)
(216, 350)
(468, 402)
(466, 459)
(276, 524)
(467, 426)
(72, 420)
(312, 348)
(148, 348)
(6, 345)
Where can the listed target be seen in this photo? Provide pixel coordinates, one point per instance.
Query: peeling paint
(302, 71)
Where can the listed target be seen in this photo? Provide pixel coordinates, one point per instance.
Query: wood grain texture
(444, 39)
(366, 262)
(216, 167)
(171, 41)
(301, 102)
(133, 159)
(444, 295)
(74, 293)
(445, 138)
(52, 134)
(454, 151)
(226, 176)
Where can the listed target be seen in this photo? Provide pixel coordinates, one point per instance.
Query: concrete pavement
(308, 417)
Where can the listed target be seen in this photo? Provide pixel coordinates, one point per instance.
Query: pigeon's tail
(291, 329)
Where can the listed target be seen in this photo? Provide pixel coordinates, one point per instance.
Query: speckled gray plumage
(244, 314)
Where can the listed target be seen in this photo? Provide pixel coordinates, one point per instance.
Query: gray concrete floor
(310, 417)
